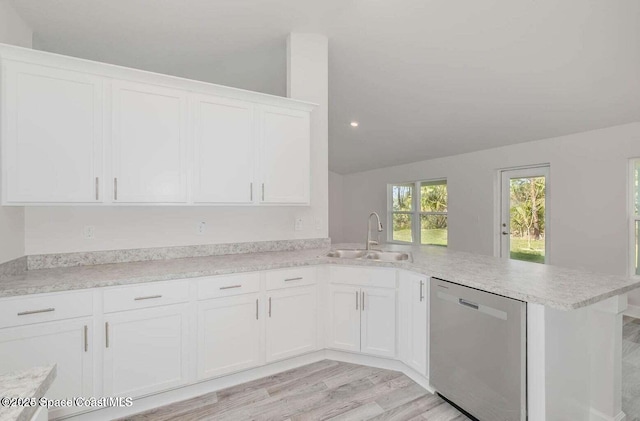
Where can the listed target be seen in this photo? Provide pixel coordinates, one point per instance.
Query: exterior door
(523, 214)
(229, 335)
(291, 322)
(149, 144)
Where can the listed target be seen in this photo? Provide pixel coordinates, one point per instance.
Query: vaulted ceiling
(424, 78)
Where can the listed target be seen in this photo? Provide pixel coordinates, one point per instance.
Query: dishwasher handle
(469, 304)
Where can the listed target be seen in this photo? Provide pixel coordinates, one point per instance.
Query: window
(635, 216)
(418, 213)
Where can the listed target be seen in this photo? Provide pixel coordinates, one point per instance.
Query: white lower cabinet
(145, 350)
(378, 322)
(292, 320)
(344, 318)
(229, 335)
(363, 320)
(66, 343)
(414, 321)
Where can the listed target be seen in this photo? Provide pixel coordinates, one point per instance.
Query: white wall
(13, 30)
(59, 229)
(588, 188)
(336, 206)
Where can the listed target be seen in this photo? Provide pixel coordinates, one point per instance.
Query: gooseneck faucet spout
(379, 229)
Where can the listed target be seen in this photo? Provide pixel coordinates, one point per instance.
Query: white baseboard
(632, 311)
(595, 415)
(197, 389)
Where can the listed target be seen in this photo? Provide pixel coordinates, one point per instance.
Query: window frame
(416, 213)
(634, 219)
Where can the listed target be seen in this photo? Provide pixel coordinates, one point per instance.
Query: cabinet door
(378, 307)
(417, 323)
(291, 322)
(149, 144)
(285, 155)
(52, 135)
(229, 335)
(344, 318)
(67, 343)
(223, 150)
(145, 350)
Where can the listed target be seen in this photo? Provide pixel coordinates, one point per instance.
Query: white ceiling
(425, 78)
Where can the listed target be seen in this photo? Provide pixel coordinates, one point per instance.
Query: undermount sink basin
(377, 255)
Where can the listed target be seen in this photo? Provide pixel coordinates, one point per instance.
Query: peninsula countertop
(31, 383)
(552, 286)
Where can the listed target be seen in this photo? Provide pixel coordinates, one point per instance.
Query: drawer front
(293, 277)
(228, 285)
(362, 276)
(148, 295)
(45, 308)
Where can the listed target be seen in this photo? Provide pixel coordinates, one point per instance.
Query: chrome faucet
(369, 241)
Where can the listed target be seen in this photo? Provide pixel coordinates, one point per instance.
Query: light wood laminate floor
(631, 368)
(326, 390)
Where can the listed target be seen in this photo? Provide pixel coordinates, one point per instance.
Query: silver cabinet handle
(357, 293)
(256, 308)
(97, 188)
(44, 310)
(421, 293)
(362, 300)
(251, 192)
(231, 287)
(149, 297)
(269, 306)
(115, 188)
(86, 339)
(106, 334)
(263, 192)
(299, 278)
(468, 304)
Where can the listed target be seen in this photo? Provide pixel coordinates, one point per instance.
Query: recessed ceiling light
(354, 124)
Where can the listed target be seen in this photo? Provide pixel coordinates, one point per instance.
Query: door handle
(357, 300)
(421, 290)
(505, 233)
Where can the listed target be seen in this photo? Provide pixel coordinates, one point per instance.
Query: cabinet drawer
(294, 277)
(45, 308)
(361, 276)
(147, 295)
(228, 285)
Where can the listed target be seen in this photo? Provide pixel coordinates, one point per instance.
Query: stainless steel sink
(347, 254)
(376, 255)
(387, 256)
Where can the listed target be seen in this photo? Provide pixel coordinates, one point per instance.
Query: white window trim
(633, 218)
(415, 213)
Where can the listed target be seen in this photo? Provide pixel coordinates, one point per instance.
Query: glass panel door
(523, 220)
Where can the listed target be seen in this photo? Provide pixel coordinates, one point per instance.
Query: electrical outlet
(89, 232)
(318, 223)
(298, 224)
(202, 228)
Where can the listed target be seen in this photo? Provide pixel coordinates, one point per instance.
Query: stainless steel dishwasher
(478, 351)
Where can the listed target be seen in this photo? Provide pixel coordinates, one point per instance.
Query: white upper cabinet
(223, 150)
(149, 143)
(51, 135)
(75, 131)
(285, 155)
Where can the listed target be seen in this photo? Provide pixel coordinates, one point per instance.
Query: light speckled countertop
(31, 383)
(552, 286)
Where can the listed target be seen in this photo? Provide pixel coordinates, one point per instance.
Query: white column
(606, 359)
(308, 80)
